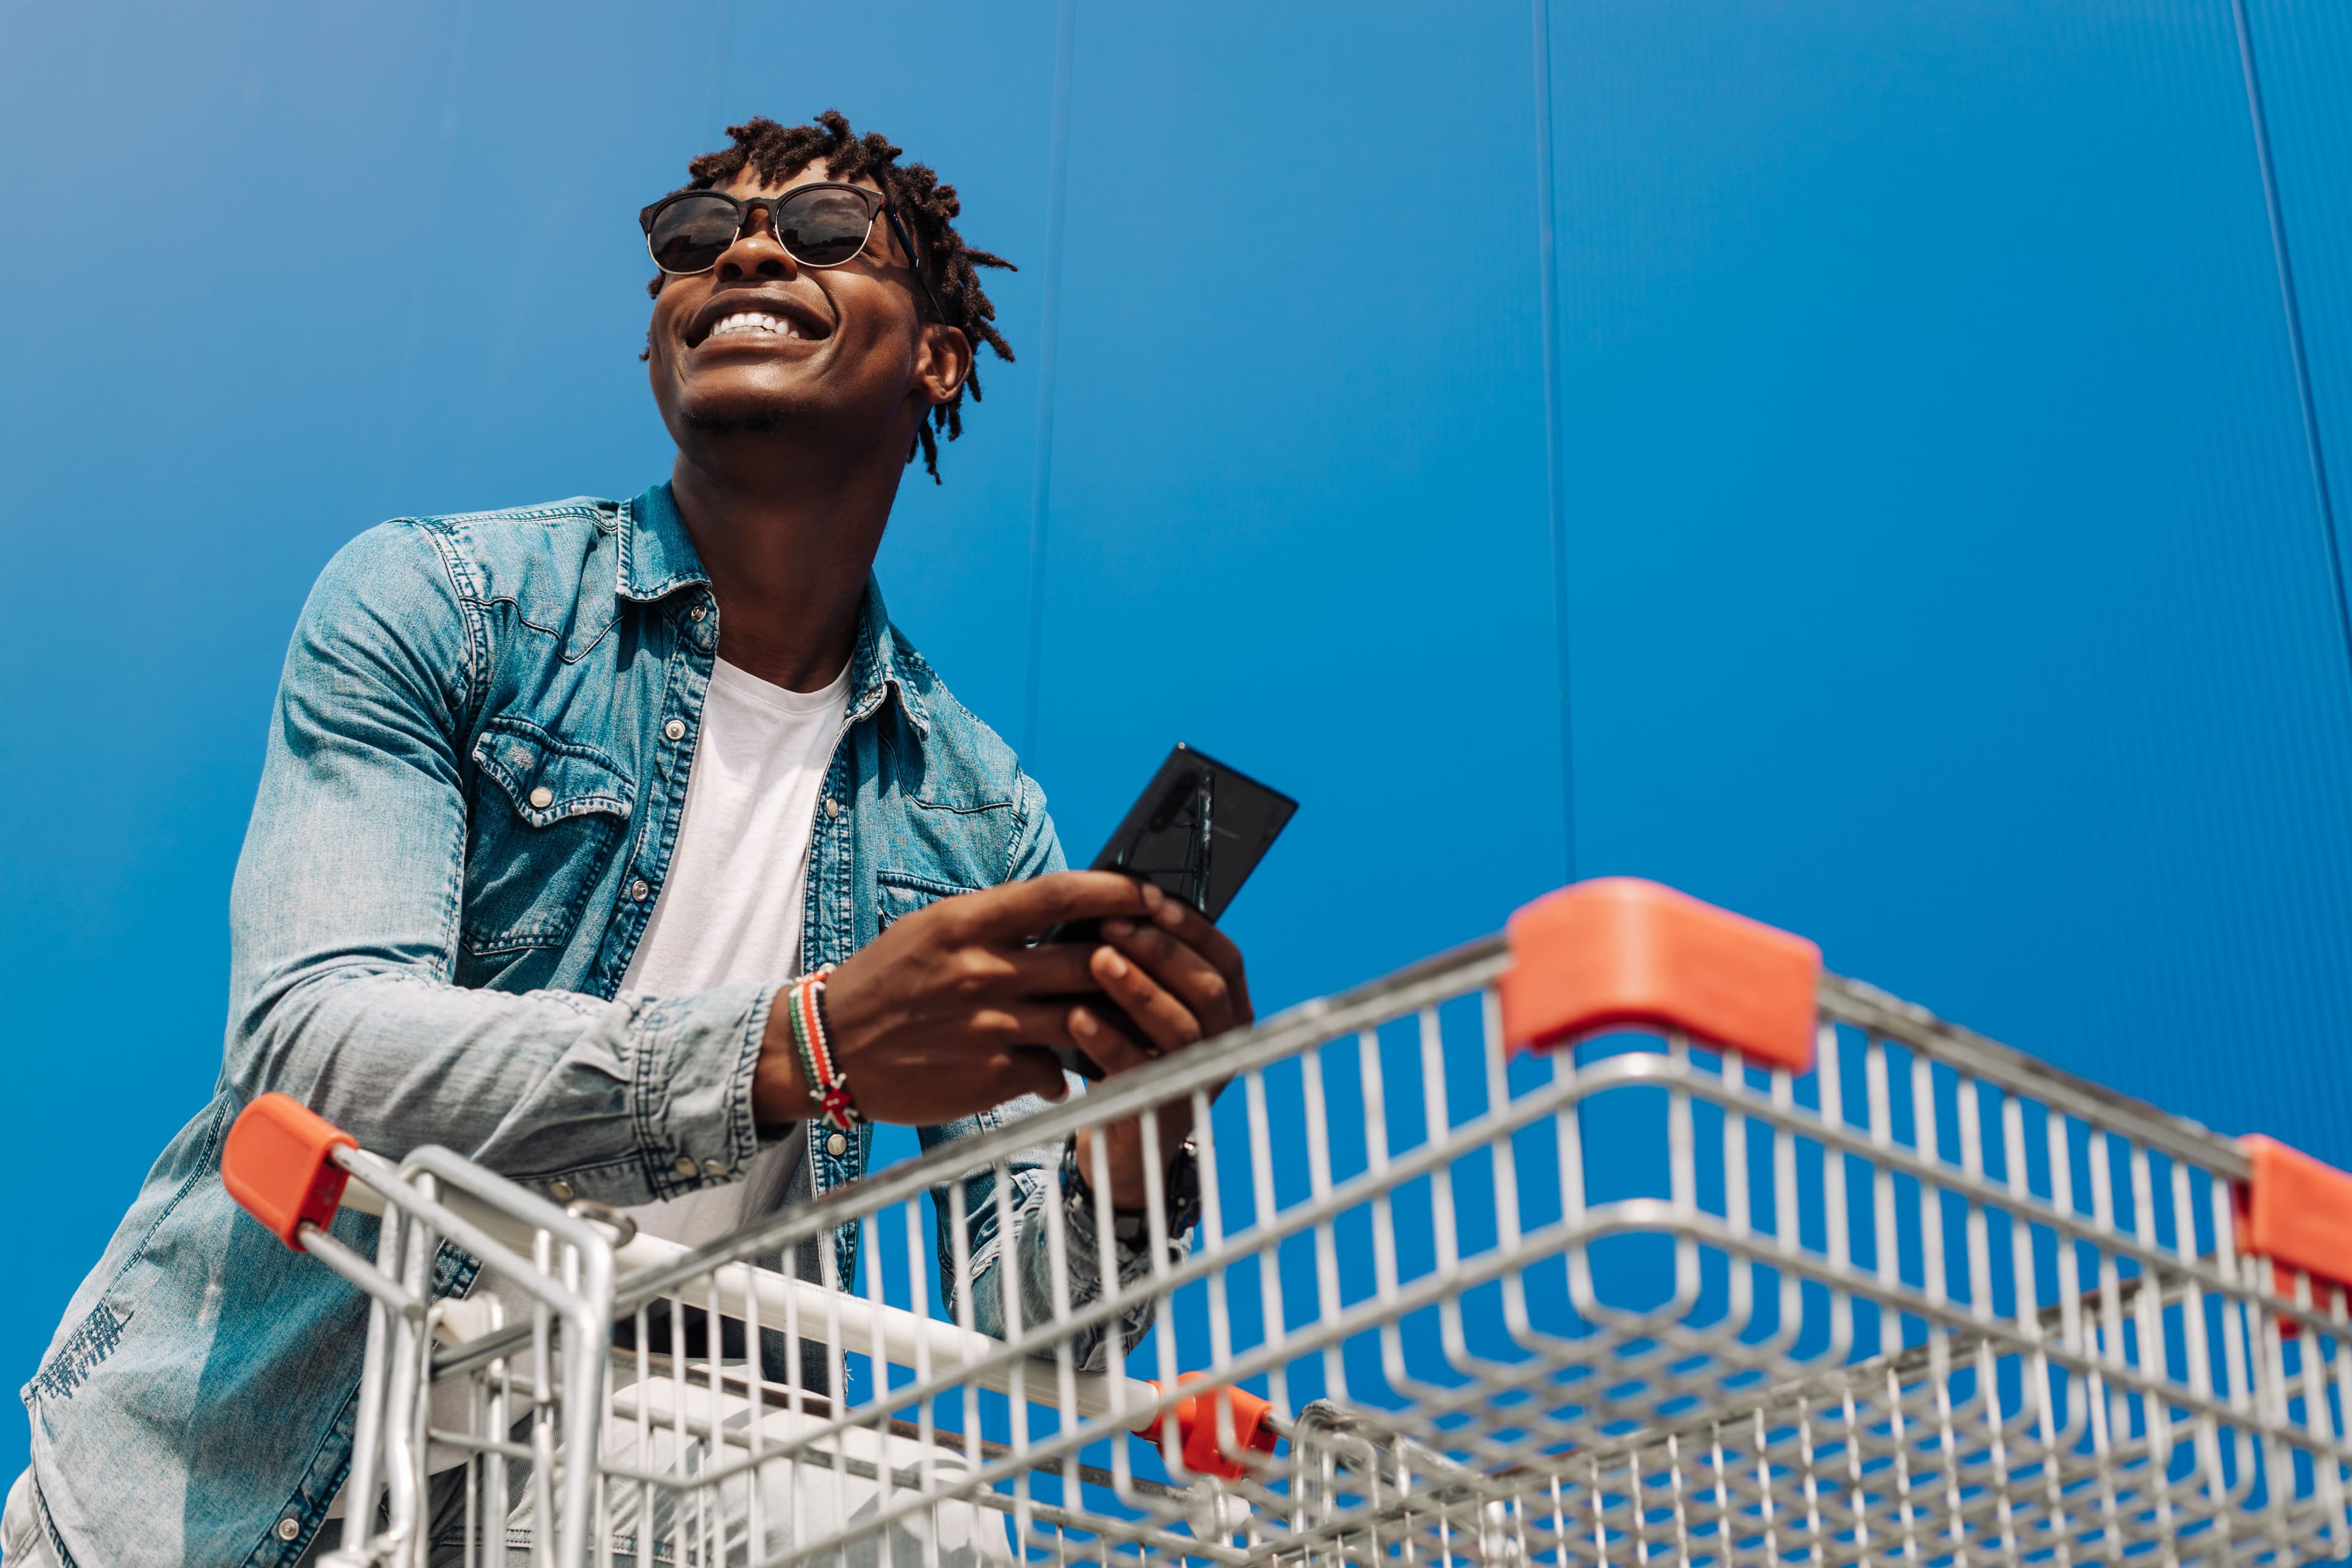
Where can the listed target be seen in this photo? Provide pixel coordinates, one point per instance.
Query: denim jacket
(476, 771)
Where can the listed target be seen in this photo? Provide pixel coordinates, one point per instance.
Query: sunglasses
(819, 224)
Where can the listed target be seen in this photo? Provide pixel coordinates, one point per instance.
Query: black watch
(1180, 1188)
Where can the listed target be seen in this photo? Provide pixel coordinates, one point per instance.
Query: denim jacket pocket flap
(904, 892)
(549, 780)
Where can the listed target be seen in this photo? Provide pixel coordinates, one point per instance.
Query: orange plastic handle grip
(2296, 1212)
(277, 1165)
(1616, 953)
(1196, 1429)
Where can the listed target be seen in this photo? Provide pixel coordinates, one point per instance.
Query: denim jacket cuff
(1083, 1247)
(695, 1121)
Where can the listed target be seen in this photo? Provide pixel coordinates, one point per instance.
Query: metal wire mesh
(1636, 1302)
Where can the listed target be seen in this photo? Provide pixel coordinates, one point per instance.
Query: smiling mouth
(757, 324)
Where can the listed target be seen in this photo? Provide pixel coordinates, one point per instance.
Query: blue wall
(1946, 570)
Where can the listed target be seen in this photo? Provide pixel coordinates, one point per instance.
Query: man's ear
(942, 362)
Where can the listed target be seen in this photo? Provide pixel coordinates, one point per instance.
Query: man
(556, 803)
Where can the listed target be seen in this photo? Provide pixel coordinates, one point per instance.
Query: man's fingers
(1025, 1024)
(1197, 931)
(1162, 1018)
(1029, 1070)
(1102, 1039)
(1053, 969)
(1199, 984)
(1018, 911)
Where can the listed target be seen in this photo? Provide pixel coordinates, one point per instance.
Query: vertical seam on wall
(426, 247)
(2279, 254)
(1041, 483)
(715, 89)
(1555, 478)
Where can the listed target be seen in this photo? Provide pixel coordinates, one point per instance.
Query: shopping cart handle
(1617, 952)
(1200, 1446)
(279, 1165)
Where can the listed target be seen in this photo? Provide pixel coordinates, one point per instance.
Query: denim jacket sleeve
(344, 922)
(1035, 1181)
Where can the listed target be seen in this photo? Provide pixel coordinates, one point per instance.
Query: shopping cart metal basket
(1629, 1235)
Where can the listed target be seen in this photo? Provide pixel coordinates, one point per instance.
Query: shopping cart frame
(2275, 1216)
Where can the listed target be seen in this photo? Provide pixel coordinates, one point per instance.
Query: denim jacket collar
(657, 555)
(658, 558)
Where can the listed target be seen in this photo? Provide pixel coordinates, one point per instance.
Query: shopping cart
(1629, 1237)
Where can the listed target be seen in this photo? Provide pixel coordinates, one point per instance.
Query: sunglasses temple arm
(906, 242)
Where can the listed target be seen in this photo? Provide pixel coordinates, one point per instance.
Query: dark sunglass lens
(692, 233)
(824, 228)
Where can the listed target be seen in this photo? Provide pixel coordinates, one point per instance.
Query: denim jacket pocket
(543, 822)
(904, 892)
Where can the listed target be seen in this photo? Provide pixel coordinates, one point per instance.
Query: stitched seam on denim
(340, 1432)
(625, 537)
(207, 1163)
(97, 1336)
(465, 590)
(983, 808)
(618, 796)
(578, 1173)
(545, 511)
(480, 659)
(552, 929)
(907, 661)
(49, 1526)
(656, 831)
(872, 669)
(912, 882)
(1021, 787)
(471, 592)
(507, 723)
(829, 913)
(743, 1127)
(643, 1098)
(630, 526)
(562, 645)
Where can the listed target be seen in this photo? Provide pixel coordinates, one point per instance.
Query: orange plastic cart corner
(1196, 1429)
(1617, 952)
(2296, 1212)
(277, 1164)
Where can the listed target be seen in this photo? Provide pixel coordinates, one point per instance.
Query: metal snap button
(639, 889)
(675, 729)
(560, 1191)
(697, 613)
(836, 1145)
(832, 807)
(543, 797)
(289, 1528)
(682, 1164)
(714, 1167)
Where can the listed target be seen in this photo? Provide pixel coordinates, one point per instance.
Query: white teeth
(756, 322)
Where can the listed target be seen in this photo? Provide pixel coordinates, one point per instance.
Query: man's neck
(789, 547)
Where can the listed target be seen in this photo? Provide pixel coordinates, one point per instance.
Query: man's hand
(952, 1010)
(1178, 980)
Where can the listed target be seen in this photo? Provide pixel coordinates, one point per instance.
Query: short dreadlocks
(928, 208)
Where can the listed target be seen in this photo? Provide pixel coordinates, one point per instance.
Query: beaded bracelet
(828, 1086)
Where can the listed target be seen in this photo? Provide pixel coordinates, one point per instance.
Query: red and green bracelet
(828, 1085)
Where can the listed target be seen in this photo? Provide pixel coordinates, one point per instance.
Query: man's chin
(750, 420)
(740, 404)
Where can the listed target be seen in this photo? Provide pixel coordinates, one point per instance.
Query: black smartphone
(1198, 830)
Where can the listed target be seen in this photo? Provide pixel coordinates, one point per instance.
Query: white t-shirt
(729, 910)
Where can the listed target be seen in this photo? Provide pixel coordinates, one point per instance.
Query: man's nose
(755, 253)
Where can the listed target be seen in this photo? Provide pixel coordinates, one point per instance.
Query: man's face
(844, 355)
